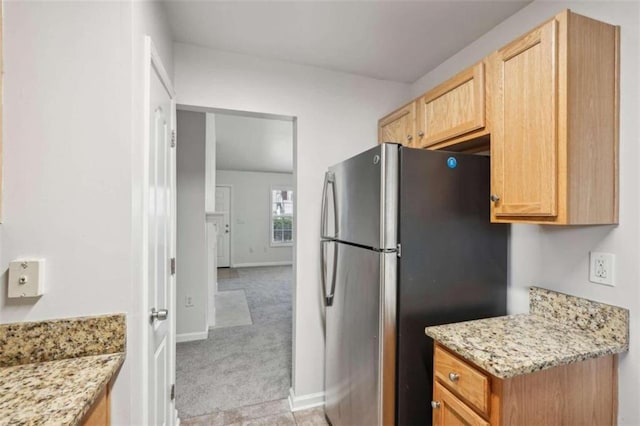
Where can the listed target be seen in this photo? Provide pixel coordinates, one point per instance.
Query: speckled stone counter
(55, 392)
(27, 342)
(52, 372)
(560, 329)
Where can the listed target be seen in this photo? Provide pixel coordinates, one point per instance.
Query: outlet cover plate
(188, 301)
(602, 268)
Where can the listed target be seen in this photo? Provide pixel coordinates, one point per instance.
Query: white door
(222, 240)
(223, 208)
(160, 208)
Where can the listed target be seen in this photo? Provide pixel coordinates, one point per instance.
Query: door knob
(159, 315)
(494, 197)
(435, 404)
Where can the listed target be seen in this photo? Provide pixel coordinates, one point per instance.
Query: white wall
(72, 112)
(210, 173)
(210, 207)
(250, 223)
(337, 116)
(191, 243)
(557, 257)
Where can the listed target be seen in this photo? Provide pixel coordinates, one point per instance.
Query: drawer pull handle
(454, 377)
(435, 404)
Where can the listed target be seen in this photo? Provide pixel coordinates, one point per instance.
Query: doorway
(244, 358)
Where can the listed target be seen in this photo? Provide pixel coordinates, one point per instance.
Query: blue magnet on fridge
(452, 163)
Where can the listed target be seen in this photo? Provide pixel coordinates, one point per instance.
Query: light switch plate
(26, 278)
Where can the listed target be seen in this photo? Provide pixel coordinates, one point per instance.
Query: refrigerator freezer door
(357, 390)
(453, 265)
(361, 195)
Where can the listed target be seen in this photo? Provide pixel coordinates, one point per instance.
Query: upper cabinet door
(524, 142)
(399, 126)
(453, 109)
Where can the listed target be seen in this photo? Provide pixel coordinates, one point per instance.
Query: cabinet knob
(494, 197)
(435, 404)
(454, 377)
(409, 137)
(421, 133)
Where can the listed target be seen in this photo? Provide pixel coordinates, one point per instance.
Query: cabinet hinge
(173, 392)
(173, 139)
(399, 250)
(173, 265)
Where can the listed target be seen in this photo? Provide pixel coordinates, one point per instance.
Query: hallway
(244, 365)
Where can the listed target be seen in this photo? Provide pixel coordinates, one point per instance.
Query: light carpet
(242, 365)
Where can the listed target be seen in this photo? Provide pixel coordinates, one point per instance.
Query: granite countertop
(560, 329)
(55, 392)
(52, 372)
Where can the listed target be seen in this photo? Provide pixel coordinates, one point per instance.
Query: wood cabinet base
(582, 393)
(100, 412)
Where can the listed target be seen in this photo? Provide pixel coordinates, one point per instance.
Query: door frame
(152, 60)
(231, 230)
(304, 401)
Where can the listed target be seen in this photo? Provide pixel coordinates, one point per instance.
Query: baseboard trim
(304, 402)
(252, 264)
(190, 337)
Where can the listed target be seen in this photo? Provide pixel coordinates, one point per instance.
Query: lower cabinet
(99, 414)
(449, 410)
(581, 393)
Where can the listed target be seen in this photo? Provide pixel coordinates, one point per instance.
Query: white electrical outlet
(188, 301)
(602, 268)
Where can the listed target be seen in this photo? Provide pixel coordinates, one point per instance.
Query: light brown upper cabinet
(554, 136)
(399, 126)
(454, 110)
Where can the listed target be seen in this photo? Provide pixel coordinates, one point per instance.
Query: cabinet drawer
(466, 381)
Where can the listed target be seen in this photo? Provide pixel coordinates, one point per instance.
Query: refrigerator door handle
(329, 179)
(323, 269)
(328, 298)
(333, 276)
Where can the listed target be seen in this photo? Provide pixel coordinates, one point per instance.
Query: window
(281, 216)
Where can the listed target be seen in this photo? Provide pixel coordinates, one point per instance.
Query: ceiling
(253, 144)
(391, 40)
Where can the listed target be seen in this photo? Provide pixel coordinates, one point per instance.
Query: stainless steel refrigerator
(406, 243)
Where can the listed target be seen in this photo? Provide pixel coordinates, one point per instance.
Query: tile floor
(272, 413)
